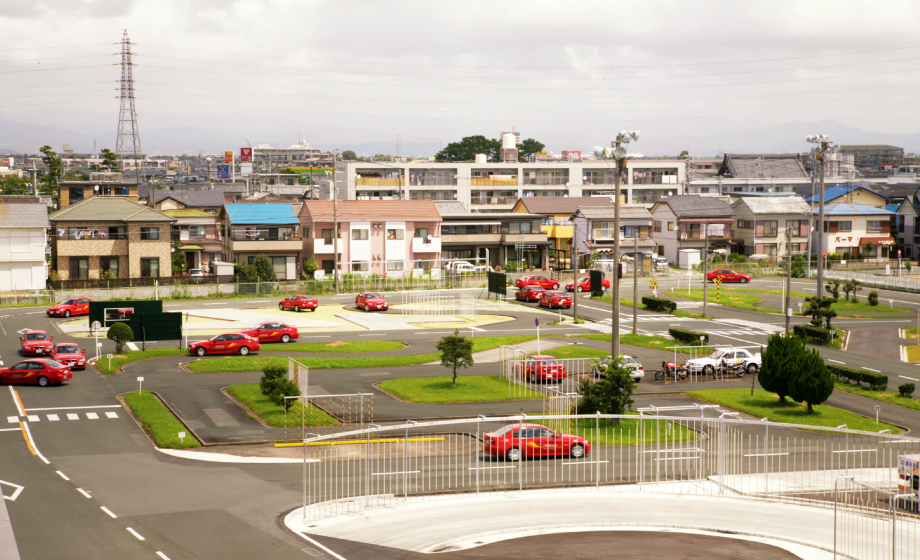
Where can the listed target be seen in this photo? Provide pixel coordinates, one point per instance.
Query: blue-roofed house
(855, 193)
(852, 228)
(269, 229)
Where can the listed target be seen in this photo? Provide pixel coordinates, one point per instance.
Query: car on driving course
(540, 368)
(546, 283)
(371, 300)
(230, 343)
(37, 371)
(36, 343)
(69, 354)
(271, 332)
(728, 275)
(555, 299)
(299, 302)
(525, 440)
(584, 284)
(529, 293)
(636, 371)
(68, 307)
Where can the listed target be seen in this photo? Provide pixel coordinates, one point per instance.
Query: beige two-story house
(761, 224)
(111, 237)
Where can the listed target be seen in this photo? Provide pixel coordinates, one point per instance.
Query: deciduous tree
(456, 352)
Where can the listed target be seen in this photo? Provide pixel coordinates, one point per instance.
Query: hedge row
(688, 336)
(659, 304)
(876, 381)
(810, 331)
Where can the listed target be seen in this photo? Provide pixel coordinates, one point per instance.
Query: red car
(271, 332)
(69, 354)
(520, 441)
(225, 344)
(371, 300)
(72, 306)
(299, 302)
(529, 293)
(728, 275)
(555, 299)
(584, 284)
(541, 368)
(547, 283)
(37, 371)
(36, 343)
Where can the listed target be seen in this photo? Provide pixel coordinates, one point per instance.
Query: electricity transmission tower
(128, 144)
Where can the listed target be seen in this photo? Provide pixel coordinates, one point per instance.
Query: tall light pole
(824, 146)
(617, 152)
(335, 220)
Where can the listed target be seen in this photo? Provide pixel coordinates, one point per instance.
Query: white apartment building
(496, 187)
(23, 239)
(269, 159)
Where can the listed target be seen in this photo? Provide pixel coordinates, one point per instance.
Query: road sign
(899, 253)
(877, 408)
(654, 284)
(536, 321)
(825, 254)
(223, 171)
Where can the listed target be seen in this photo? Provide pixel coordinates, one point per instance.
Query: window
(79, 267)
(360, 266)
(745, 224)
(397, 265)
(769, 249)
(704, 189)
(150, 233)
(150, 267)
(280, 266)
(118, 232)
(108, 264)
(306, 232)
(657, 225)
(520, 227)
(421, 232)
(844, 226)
(328, 266)
(873, 226)
(76, 194)
(770, 228)
(901, 225)
(360, 234)
(396, 233)
(670, 226)
(327, 237)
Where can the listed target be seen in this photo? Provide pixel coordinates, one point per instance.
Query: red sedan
(546, 283)
(520, 441)
(72, 306)
(36, 343)
(529, 293)
(271, 332)
(584, 284)
(555, 299)
(371, 300)
(299, 302)
(728, 275)
(541, 368)
(70, 354)
(37, 371)
(225, 344)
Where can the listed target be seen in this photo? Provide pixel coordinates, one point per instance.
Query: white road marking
(911, 378)
(92, 416)
(111, 415)
(25, 426)
(10, 429)
(84, 492)
(322, 336)
(857, 451)
(16, 401)
(765, 454)
(12, 497)
(33, 418)
(371, 335)
(219, 303)
(477, 329)
(12, 419)
(112, 515)
(396, 472)
(53, 418)
(75, 407)
(836, 362)
(73, 417)
(870, 369)
(163, 556)
(136, 534)
(64, 476)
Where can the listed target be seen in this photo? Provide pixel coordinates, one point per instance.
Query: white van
(454, 267)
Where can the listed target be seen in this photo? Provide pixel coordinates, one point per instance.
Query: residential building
(270, 229)
(268, 159)
(72, 192)
(496, 238)
(758, 173)
(692, 222)
(375, 237)
(198, 236)
(557, 212)
(907, 220)
(874, 156)
(761, 224)
(849, 226)
(595, 233)
(114, 235)
(496, 187)
(23, 239)
(853, 193)
(206, 200)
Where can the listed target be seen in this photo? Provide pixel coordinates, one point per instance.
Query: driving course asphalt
(75, 450)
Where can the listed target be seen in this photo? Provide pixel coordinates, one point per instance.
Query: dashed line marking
(111, 415)
(33, 418)
(92, 415)
(136, 534)
(53, 418)
(837, 362)
(911, 378)
(109, 512)
(84, 492)
(62, 475)
(870, 369)
(163, 556)
(73, 416)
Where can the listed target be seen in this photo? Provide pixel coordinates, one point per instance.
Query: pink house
(375, 236)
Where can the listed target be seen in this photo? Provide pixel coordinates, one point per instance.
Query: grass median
(273, 414)
(574, 352)
(625, 431)
(432, 390)
(767, 405)
(159, 421)
(135, 355)
(339, 347)
(654, 342)
(883, 396)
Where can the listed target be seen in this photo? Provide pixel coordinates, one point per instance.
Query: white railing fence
(874, 280)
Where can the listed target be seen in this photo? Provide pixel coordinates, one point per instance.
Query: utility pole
(788, 306)
(635, 280)
(573, 260)
(811, 224)
(34, 189)
(705, 266)
(335, 221)
(615, 283)
(821, 150)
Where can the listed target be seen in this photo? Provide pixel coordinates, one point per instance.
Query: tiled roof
(627, 212)
(852, 209)
(450, 207)
(763, 166)
(696, 206)
(23, 215)
(277, 213)
(109, 209)
(188, 213)
(562, 204)
(193, 198)
(835, 192)
(354, 210)
(775, 205)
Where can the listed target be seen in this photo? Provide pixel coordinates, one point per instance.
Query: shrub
(659, 304)
(611, 395)
(120, 333)
(275, 385)
(310, 266)
(906, 389)
(833, 288)
(688, 336)
(908, 266)
(264, 269)
(798, 267)
(781, 360)
(717, 258)
(873, 298)
(876, 381)
(55, 277)
(820, 334)
(737, 258)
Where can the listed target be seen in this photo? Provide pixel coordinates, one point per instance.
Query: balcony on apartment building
(697, 234)
(560, 177)
(427, 178)
(200, 233)
(467, 234)
(368, 178)
(432, 195)
(495, 177)
(274, 239)
(493, 198)
(653, 177)
(427, 244)
(523, 232)
(326, 246)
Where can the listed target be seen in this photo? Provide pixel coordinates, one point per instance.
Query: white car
(482, 269)
(196, 272)
(659, 263)
(636, 371)
(455, 267)
(730, 356)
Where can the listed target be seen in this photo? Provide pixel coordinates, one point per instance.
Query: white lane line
(75, 407)
(733, 338)
(870, 369)
(837, 362)
(219, 303)
(84, 492)
(911, 378)
(53, 418)
(10, 430)
(371, 335)
(92, 416)
(111, 415)
(112, 515)
(487, 468)
(320, 336)
(16, 401)
(25, 426)
(64, 476)
(321, 547)
(765, 454)
(163, 556)
(857, 451)
(33, 418)
(477, 329)
(135, 533)
(73, 417)
(396, 472)
(12, 419)
(583, 462)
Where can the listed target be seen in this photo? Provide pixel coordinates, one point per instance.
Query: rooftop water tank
(481, 158)
(508, 141)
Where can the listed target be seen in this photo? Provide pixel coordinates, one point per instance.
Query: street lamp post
(824, 146)
(335, 221)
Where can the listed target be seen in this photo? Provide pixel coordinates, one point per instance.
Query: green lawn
(272, 414)
(570, 352)
(863, 305)
(912, 333)
(626, 432)
(913, 352)
(337, 347)
(134, 355)
(468, 389)
(159, 421)
(643, 341)
(728, 299)
(752, 291)
(888, 396)
(764, 404)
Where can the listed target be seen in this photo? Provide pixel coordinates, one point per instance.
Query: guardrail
(874, 280)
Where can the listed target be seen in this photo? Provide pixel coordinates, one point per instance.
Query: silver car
(636, 371)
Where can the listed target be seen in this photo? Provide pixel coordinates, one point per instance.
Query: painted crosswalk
(56, 418)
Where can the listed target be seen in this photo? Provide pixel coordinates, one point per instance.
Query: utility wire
(56, 69)
(13, 61)
(61, 47)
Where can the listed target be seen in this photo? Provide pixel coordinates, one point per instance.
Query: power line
(58, 85)
(68, 92)
(56, 69)
(54, 58)
(60, 47)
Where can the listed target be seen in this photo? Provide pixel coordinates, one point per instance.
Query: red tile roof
(360, 210)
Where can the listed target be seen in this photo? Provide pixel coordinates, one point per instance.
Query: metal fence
(425, 307)
(876, 281)
(862, 510)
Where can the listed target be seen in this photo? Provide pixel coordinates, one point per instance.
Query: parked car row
(246, 341)
(544, 297)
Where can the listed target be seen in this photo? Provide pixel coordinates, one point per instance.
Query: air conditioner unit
(683, 236)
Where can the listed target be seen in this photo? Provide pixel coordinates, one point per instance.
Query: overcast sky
(567, 73)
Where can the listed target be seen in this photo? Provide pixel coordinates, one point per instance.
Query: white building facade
(23, 240)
